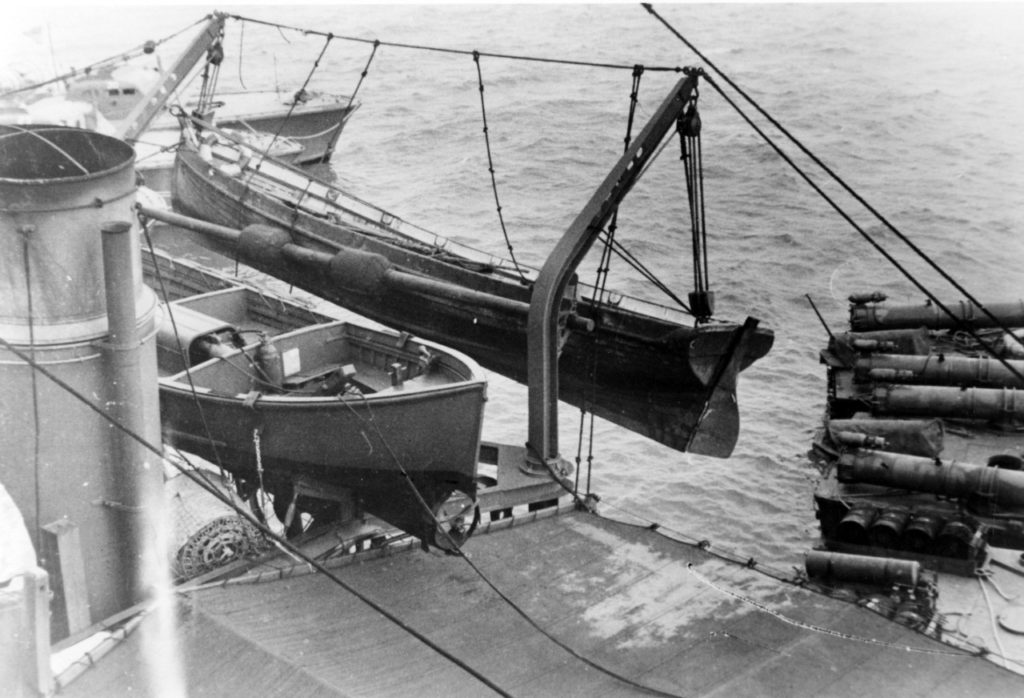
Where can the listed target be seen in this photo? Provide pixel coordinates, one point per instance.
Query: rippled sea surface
(918, 108)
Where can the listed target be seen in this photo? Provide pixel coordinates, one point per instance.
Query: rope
(456, 550)
(579, 452)
(291, 548)
(47, 141)
(211, 72)
(992, 620)
(703, 544)
(490, 167)
(816, 628)
(362, 76)
(401, 468)
(604, 266)
(536, 626)
(688, 127)
(864, 234)
(185, 358)
(120, 58)
(638, 266)
(24, 231)
(454, 51)
(849, 190)
(600, 285)
(241, 39)
(295, 101)
(259, 464)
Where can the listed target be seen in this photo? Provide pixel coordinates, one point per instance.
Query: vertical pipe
(138, 471)
(138, 478)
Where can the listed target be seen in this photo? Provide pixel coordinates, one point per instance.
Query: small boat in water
(330, 417)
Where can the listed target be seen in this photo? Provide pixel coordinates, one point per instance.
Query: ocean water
(918, 107)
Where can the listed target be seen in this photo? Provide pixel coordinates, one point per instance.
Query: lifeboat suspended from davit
(636, 364)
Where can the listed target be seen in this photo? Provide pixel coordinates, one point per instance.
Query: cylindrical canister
(862, 568)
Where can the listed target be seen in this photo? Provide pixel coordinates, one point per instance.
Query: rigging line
(565, 646)
(689, 157)
(120, 58)
(604, 265)
(579, 453)
(237, 139)
(705, 545)
(387, 227)
(362, 75)
(631, 259)
(25, 231)
(537, 626)
(601, 282)
(849, 190)
(703, 232)
(460, 52)
(490, 168)
(816, 628)
(241, 39)
(50, 143)
(590, 452)
(211, 73)
(291, 548)
(186, 360)
(295, 99)
(387, 446)
(864, 234)
(518, 610)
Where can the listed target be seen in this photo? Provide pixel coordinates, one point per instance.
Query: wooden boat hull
(372, 434)
(651, 375)
(367, 447)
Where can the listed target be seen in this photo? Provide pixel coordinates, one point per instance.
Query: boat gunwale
(612, 321)
(503, 275)
(473, 376)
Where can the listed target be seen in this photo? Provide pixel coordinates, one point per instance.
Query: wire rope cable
(490, 167)
(291, 548)
(849, 190)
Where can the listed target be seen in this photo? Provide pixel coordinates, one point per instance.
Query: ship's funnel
(78, 481)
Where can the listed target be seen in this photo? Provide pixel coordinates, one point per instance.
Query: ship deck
(664, 614)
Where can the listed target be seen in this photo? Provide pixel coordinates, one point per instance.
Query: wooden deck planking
(619, 595)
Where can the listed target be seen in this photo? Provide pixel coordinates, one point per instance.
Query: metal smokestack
(74, 479)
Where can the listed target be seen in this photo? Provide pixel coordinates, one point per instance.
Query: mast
(549, 289)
